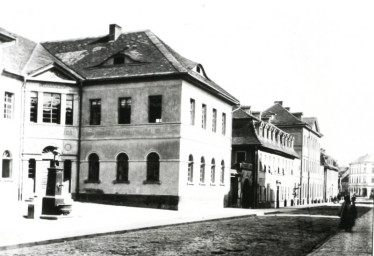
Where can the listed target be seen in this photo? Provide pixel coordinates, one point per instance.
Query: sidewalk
(92, 219)
(357, 242)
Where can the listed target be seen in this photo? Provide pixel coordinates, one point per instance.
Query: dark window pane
(124, 111)
(34, 107)
(95, 112)
(69, 110)
(122, 167)
(153, 167)
(155, 109)
(93, 167)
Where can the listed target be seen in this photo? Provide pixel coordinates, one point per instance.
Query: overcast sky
(316, 56)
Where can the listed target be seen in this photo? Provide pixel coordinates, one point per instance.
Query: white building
(361, 176)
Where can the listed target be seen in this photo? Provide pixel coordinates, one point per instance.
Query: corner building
(155, 131)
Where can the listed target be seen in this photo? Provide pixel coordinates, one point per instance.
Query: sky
(315, 56)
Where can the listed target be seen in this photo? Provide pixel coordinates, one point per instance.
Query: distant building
(137, 123)
(343, 180)
(330, 170)
(267, 166)
(307, 144)
(361, 176)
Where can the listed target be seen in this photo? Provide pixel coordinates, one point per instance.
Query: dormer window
(119, 59)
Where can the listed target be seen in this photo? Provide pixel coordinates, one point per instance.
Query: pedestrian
(352, 214)
(344, 215)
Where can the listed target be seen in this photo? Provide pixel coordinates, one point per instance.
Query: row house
(307, 144)
(361, 176)
(330, 170)
(136, 123)
(265, 163)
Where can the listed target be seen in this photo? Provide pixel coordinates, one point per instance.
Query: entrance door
(246, 203)
(234, 191)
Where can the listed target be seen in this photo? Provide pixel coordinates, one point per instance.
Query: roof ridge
(164, 51)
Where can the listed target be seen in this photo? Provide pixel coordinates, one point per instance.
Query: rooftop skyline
(317, 59)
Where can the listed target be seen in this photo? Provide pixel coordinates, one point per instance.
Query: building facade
(330, 170)
(265, 162)
(361, 176)
(307, 144)
(136, 123)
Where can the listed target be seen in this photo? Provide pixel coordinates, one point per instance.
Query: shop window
(95, 112)
(155, 109)
(124, 110)
(122, 168)
(51, 108)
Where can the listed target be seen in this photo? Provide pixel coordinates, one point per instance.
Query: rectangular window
(155, 109)
(8, 105)
(124, 110)
(214, 120)
(51, 108)
(203, 116)
(192, 111)
(223, 123)
(69, 109)
(34, 107)
(95, 112)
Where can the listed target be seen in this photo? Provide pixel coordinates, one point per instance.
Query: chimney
(287, 108)
(247, 109)
(114, 32)
(279, 102)
(298, 115)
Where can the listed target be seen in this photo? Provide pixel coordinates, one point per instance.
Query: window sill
(202, 184)
(212, 184)
(155, 182)
(6, 180)
(222, 184)
(92, 181)
(190, 183)
(121, 182)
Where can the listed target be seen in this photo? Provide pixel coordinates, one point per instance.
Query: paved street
(295, 233)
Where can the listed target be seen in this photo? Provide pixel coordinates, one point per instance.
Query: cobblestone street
(260, 235)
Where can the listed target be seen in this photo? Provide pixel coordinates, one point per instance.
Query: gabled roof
(150, 55)
(283, 117)
(325, 159)
(244, 133)
(15, 57)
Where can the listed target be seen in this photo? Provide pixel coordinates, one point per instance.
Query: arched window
(153, 167)
(190, 168)
(202, 170)
(122, 167)
(222, 172)
(213, 172)
(93, 168)
(7, 165)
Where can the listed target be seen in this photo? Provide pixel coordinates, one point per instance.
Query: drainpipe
(79, 141)
(22, 135)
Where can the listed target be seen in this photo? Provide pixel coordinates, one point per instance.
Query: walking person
(344, 214)
(352, 214)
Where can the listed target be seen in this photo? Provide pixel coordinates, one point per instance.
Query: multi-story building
(330, 170)
(361, 176)
(307, 144)
(267, 165)
(136, 123)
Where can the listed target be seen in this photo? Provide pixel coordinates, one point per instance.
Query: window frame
(69, 116)
(53, 109)
(7, 158)
(93, 169)
(223, 131)
(203, 116)
(125, 171)
(213, 172)
(34, 107)
(155, 109)
(214, 120)
(190, 169)
(8, 105)
(192, 111)
(95, 112)
(124, 111)
(202, 171)
(153, 169)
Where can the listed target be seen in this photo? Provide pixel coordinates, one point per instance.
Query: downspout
(77, 187)
(22, 135)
